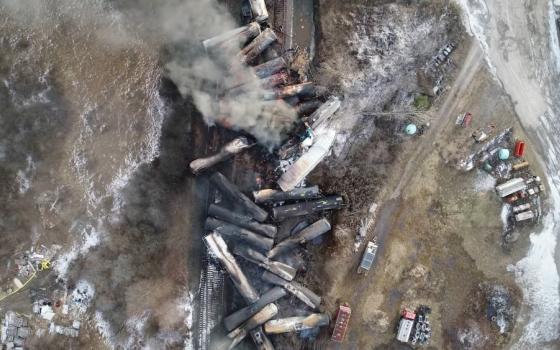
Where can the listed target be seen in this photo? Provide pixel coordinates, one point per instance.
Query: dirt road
(471, 65)
(473, 62)
(391, 208)
(521, 43)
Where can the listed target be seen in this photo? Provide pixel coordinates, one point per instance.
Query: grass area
(422, 102)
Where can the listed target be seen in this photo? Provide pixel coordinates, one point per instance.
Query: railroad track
(211, 300)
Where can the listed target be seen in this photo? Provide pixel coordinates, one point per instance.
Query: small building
(533, 191)
(66, 331)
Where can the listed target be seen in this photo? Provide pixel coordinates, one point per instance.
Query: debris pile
(517, 186)
(58, 312)
(443, 55)
(27, 264)
(260, 92)
(500, 308)
(414, 326)
(72, 331)
(242, 236)
(242, 231)
(422, 330)
(15, 330)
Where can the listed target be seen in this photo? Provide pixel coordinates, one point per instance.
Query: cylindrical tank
(259, 10)
(503, 154)
(411, 129)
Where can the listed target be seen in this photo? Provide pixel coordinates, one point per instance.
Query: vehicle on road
(368, 257)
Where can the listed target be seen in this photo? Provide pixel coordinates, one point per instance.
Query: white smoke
(198, 75)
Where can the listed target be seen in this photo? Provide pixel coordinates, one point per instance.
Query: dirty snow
(475, 14)
(504, 214)
(104, 329)
(89, 237)
(81, 298)
(188, 308)
(484, 182)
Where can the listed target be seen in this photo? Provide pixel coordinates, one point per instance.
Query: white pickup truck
(368, 257)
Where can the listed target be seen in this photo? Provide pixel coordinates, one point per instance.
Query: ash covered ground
(106, 103)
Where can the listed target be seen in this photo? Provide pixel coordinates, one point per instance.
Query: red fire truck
(341, 324)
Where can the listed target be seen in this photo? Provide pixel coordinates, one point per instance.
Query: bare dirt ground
(440, 230)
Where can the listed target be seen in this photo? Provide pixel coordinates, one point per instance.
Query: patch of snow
(135, 326)
(187, 306)
(104, 329)
(339, 143)
(553, 32)
(471, 337)
(89, 237)
(537, 274)
(484, 182)
(475, 14)
(46, 312)
(24, 177)
(81, 297)
(504, 214)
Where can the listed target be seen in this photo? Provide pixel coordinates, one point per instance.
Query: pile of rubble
(414, 326)
(259, 78)
(15, 330)
(422, 330)
(518, 187)
(245, 234)
(241, 230)
(238, 227)
(27, 264)
(72, 331)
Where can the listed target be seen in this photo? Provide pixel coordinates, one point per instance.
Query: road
(390, 208)
(521, 41)
(473, 62)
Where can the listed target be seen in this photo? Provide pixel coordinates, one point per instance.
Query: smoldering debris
(265, 314)
(231, 191)
(200, 73)
(307, 234)
(242, 220)
(218, 248)
(490, 317)
(301, 292)
(296, 324)
(302, 193)
(285, 271)
(228, 150)
(306, 208)
(268, 68)
(238, 317)
(238, 233)
(235, 37)
(238, 225)
(137, 272)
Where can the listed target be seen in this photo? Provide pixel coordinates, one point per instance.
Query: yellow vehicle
(44, 265)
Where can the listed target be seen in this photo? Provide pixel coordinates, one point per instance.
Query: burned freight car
(241, 235)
